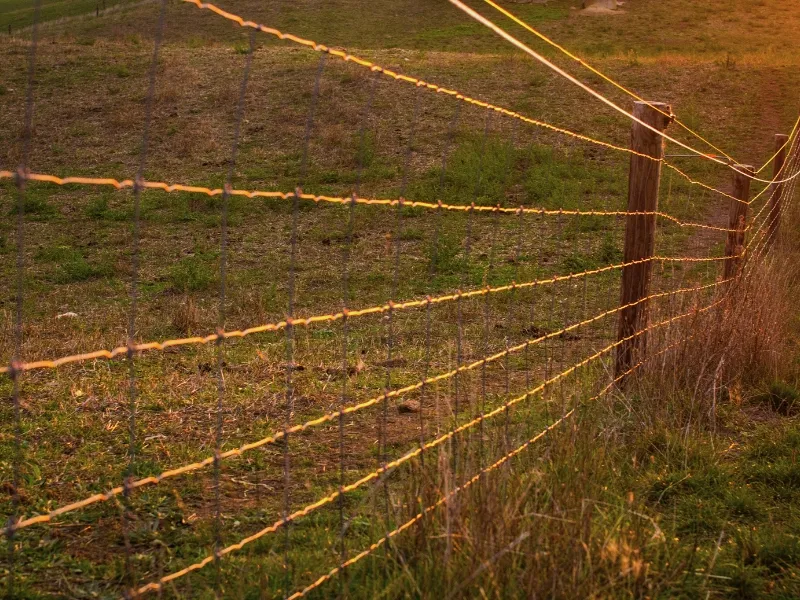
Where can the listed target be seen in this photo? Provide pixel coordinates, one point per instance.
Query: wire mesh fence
(293, 377)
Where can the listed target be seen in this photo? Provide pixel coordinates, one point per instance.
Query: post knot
(14, 369)
(21, 176)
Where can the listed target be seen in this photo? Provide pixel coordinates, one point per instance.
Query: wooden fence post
(643, 183)
(734, 247)
(781, 141)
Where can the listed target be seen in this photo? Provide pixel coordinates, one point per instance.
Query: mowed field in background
(729, 70)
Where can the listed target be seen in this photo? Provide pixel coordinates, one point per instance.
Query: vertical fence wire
(223, 283)
(346, 258)
(509, 167)
(27, 134)
(134, 293)
(432, 272)
(290, 328)
(390, 328)
(465, 273)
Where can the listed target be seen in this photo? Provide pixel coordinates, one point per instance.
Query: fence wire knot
(21, 176)
(15, 368)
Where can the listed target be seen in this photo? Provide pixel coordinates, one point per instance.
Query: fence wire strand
(561, 359)
(407, 457)
(626, 90)
(342, 55)
(514, 41)
(346, 201)
(332, 317)
(19, 304)
(328, 417)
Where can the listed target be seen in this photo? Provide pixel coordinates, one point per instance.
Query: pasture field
(647, 494)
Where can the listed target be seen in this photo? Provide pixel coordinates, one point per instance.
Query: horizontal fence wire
(557, 423)
(155, 586)
(331, 317)
(431, 444)
(403, 202)
(434, 87)
(605, 77)
(237, 452)
(630, 93)
(605, 100)
(759, 228)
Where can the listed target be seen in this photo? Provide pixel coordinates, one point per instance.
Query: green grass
(71, 266)
(193, 273)
(19, 14)
(91, 81)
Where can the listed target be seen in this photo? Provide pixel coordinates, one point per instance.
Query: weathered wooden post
(781, 141)
(734, 247)
(640, 229)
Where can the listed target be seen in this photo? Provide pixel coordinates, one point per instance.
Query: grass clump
(100, 210)
(193, 273)
(35, 207)
(780, 397)
(71, 266)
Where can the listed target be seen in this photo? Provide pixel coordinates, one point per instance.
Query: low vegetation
(681, 484)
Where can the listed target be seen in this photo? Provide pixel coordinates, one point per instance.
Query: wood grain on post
(734, 247)
(773, 225)
(640, 230)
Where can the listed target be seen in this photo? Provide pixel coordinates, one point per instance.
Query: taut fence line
(748, 239)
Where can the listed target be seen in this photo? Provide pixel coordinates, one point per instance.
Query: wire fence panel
(367, 307)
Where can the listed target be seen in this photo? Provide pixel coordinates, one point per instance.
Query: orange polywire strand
(477, 477)
(154, 586)
(177, 187)
(236, 452)
(599, 73)
(308, 321)
(362, 62)
(514, 41)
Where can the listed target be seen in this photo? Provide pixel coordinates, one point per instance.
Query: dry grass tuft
(186, 317)
(744, 342)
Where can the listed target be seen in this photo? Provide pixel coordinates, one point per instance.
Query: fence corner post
(643, 183)
(781, 142)
(734, 247)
